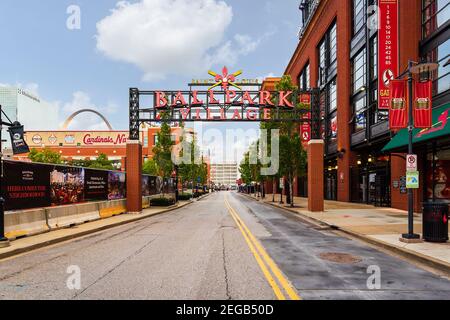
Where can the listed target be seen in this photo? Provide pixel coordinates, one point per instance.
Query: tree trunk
(291, 190)
(274, 189)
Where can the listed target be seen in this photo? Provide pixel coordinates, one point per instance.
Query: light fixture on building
(96, 151)
(359, 162)
(114, 151)
(370, 159)
(78, 151)
(60, 151)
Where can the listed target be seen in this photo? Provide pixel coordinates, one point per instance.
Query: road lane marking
(268, 260)
(276, 289)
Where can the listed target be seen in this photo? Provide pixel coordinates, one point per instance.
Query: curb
(418, 257)
(84, 233)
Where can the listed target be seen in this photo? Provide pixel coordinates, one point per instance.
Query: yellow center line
(265, 256)
(269, 278)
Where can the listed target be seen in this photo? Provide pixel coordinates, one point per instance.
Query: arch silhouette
(73, 115)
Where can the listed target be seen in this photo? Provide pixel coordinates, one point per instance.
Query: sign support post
(4, 242)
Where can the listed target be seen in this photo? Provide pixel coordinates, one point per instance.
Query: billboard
(95, 184)
(66, 185)
(116, 185)
(37, 139)
(25, 185)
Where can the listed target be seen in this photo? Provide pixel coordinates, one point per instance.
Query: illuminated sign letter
(195, 98)
(179, 100)
(212, 99)
(246, 96)
(264, 98)
(161, 100)
(230, 94)
(283, 99)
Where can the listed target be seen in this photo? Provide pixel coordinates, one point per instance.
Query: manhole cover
(340, 257)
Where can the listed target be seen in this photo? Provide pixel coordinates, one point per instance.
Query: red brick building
(337, 52)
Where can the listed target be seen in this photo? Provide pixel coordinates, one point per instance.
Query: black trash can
(435, 222)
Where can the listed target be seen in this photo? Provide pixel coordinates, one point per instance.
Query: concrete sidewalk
(380, 226)
(56, 236)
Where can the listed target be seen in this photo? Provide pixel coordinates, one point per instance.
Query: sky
(91, 62)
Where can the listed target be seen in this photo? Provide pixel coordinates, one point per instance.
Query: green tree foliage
(45, 156)
(150, 167)
(163, 148)
(102, 162)
(293, 159)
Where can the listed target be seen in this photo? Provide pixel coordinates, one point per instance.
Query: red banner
(422, 104)
(305, 127)
(387, 49)
(398, 111)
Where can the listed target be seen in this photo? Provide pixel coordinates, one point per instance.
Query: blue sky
(94, 66)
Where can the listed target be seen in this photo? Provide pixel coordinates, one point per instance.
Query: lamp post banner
(387, 49)
(398, 111)
(422, 104)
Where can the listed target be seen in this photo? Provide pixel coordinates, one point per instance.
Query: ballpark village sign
(226, 99)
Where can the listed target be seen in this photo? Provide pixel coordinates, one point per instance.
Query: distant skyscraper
(224, 173)
(29, 110)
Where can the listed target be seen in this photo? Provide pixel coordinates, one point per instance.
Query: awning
(440, 128)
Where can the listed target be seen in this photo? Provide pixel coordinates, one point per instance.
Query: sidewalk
(380, 226)
(49, 238)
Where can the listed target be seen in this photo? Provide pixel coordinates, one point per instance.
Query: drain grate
(343, 258)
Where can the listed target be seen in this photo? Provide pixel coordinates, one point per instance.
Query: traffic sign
(412, 180)
(411, 162)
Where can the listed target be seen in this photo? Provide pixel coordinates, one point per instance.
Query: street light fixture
(413, 68)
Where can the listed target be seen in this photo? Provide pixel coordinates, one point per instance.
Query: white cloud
(173, 37)
(164, 37)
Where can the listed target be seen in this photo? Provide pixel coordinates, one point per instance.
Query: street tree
(45, 156)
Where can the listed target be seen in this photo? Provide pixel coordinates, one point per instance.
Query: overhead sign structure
(412, 180)
(388, 37)
(225, 100)
(411, 162)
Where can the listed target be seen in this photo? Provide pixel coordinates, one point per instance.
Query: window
(322, 63)
(332, 127)
(332, 96)
(303, 78)
(327, 55)
(358, 15)
(434, 14)
(441, 77)
(359, 71)
(373, 58)
(360, 114)
(333, 45)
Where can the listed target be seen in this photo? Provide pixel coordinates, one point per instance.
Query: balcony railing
(308, 8)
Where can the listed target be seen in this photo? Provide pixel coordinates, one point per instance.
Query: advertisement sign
(398, 111)
(36, 139)
(387, 49)
(95, 184)
(66, 185)
(422, 104)
(18, 143)
(412, 180)
(116, 185)
(305, 127)
(25, 185)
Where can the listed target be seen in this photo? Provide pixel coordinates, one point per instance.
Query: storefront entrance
(370, 182)
(331, 180)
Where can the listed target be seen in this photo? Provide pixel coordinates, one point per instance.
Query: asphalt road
(223, 247)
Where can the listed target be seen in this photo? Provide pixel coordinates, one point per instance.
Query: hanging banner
(422, 104)
(19, 145)
(387, 49)
(305, 127)
(398, 111)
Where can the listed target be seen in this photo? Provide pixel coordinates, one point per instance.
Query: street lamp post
(413, 67)
(410, 235)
